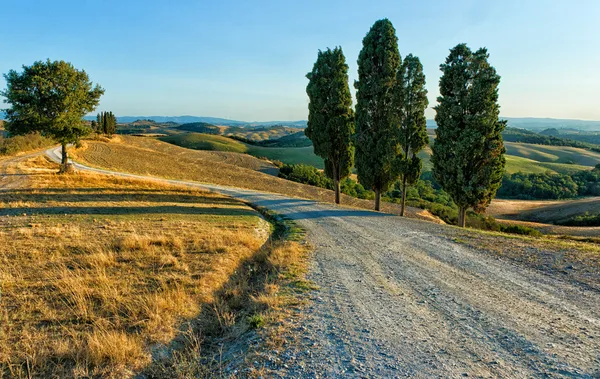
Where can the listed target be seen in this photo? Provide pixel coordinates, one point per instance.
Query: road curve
(401, 297)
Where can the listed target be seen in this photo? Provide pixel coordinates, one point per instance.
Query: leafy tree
(376, 117)
(412, 136)
(50, 98)
(468, 153)
(330, 116)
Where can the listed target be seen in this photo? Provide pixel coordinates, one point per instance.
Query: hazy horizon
(243, 61)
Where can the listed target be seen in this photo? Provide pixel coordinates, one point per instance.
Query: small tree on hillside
(412, 102)
(376, 117)
(50, 98)
(330, 116)
(468, 152)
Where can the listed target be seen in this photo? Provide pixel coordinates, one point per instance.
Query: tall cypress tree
(330, 116)
(99, 123)
(412, 102)
(468, 153)
(103, 122)
(111, 124)
(376, 116)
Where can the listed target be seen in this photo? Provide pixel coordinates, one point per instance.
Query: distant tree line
(526, 136)
(382, 137)
(106, 123)
(549, 186)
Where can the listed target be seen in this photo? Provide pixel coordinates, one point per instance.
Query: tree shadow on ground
(119, 210)
(60, 195)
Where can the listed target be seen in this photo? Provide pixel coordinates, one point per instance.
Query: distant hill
(540, 124)
(200, 127)
(209, 120)
(298, 139)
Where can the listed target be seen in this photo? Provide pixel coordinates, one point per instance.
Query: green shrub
(18, 144)
(585, 219)
(256, 321)
(519, 229)
(550, 186)
(306, 174)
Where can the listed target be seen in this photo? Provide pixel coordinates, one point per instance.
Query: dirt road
(401, 297)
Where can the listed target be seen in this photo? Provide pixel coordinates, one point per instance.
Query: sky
(247, 60)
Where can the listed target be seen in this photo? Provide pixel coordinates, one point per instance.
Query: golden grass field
(98, 273)
(541, 214)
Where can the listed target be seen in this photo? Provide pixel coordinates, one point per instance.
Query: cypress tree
(412, 102)
(330, 116)
(468, 153)
(376, 116)
(99, 123)
(104, 123)
(111, 124)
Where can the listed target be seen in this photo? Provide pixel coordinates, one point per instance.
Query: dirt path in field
(11, 176)
(401, 297)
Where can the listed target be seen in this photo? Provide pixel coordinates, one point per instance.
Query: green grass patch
(289, 155)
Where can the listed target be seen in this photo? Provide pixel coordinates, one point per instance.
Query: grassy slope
(150, 156)
(200, 141)
(543, 211)
(109, 266)
(521, 157)
(99, 271)
(219, 143)
(290, 155)
(554, 154)
(515, 163)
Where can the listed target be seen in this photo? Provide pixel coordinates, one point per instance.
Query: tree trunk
(65, 157)
(65, 167)
(377, 200)
(462, 216)
(336, 183)
(403, 204)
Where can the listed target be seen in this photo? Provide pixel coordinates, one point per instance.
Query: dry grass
(97, 272)
(541, 215)
(146, 156)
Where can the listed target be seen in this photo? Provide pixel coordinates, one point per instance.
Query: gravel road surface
(402, 297)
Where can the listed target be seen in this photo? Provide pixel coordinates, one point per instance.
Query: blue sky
(247, 60)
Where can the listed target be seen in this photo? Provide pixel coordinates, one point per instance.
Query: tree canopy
(376, 117)
(468, 152)
(330, 117)
(50, 97)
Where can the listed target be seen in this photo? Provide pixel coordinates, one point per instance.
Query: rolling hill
(209, 120)
(288, 155)
(525, 158)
